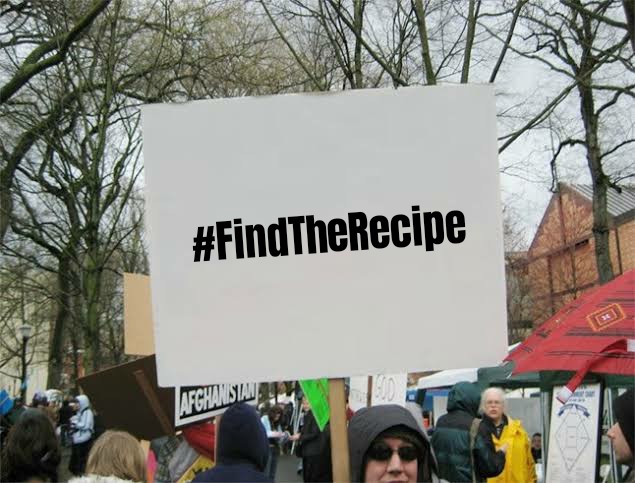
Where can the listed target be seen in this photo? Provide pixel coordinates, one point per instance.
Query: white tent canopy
(448, 378)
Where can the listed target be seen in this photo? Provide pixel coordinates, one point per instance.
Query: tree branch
(34, 63)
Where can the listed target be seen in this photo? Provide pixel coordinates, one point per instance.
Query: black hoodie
(242, 448)
(369, 423)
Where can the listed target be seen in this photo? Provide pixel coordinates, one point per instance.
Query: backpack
(98, 426)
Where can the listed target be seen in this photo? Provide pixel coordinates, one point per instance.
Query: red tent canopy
(595, 332)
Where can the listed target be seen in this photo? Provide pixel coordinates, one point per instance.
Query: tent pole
(545, 407)
(614, 469)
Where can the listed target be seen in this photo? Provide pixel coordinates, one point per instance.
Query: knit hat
(624, 410)
(242, 437)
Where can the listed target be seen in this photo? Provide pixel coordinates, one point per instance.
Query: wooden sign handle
(153, 400)
(339, 433)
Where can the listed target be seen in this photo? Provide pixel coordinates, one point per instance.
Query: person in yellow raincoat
(519, 462)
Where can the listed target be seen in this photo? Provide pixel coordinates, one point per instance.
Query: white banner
(364, 224)
(192, 404)
(573, 436)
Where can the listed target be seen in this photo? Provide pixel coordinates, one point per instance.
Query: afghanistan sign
(197, 403)
(365, 223)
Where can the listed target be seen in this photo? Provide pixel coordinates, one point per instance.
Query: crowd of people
(50, 425)
(475, 441)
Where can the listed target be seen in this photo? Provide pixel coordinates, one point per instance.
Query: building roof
(617, 203)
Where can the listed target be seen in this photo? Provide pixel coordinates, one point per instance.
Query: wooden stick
(153, 400)
(339, 434)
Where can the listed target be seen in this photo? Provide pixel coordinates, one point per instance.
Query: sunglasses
(383, 452)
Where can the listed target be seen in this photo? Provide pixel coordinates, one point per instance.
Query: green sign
(317, 392)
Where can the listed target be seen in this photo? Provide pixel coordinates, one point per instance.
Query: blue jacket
(242, 448)
(83, 423)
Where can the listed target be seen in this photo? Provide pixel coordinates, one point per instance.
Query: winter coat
(83, 423)
(368, 423)
(451, 439)
(98, 479)
(519, 462)
(313, 442)
(242, 448)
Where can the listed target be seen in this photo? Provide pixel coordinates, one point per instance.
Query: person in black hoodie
(386, 444)
(64, 422)
(242, 450)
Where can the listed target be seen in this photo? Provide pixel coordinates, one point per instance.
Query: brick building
(560, 262)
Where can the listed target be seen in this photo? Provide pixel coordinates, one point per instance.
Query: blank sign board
(307, 236)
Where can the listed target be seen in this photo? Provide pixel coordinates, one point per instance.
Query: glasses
(383, 452)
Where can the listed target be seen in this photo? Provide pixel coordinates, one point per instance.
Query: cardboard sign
(198, 403)
(389, 389)
(137, 315)
(573, 436)
(201, 464)
(127, 397)
(358, 393)
(385, 389)
(320, 219)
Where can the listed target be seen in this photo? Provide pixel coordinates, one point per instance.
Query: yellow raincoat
(519, 463)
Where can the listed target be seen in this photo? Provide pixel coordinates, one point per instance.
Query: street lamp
(25, 332)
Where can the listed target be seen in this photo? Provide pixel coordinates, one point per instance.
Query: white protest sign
(358, 393)
(389, 389)
(364, 224)
(573, 436)
(192, 404)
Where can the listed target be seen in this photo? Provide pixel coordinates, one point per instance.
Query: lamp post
(25, 332)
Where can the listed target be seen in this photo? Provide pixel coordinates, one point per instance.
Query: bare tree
(74, 130)
(586, 44)
(26, 25)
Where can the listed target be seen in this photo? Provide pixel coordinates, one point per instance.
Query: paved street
(287, 469)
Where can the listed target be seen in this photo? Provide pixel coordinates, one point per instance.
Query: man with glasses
(519, 461)
(387, 444)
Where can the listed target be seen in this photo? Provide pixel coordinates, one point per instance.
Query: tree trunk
(92, 288)
(358, 23)
(600, 189)
(56, 345)
(469, 41)
(600, 180)
(423, 37)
